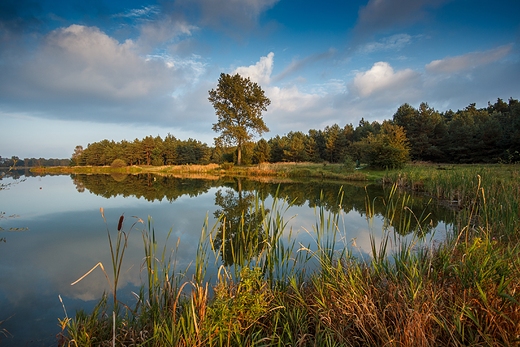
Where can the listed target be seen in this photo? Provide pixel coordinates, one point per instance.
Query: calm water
(53, 233)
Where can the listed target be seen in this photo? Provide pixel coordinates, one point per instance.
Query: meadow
(463, 291)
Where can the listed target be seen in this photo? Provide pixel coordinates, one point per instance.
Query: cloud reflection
(67, 235)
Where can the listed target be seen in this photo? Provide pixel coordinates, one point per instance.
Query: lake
(52, 233)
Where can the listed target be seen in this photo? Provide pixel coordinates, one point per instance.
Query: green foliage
(387, 150)
(239, 104)
(236, 308)
(148, 151)
(471, 135)
(261, 152)
(349, 164)
(424, 130)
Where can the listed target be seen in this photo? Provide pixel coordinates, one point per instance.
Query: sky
(74, 72)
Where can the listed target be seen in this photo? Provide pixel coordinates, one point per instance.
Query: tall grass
(410, 291)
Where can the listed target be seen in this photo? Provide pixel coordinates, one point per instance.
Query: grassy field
(464, 291)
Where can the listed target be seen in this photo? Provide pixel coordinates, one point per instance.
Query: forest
(471, 135)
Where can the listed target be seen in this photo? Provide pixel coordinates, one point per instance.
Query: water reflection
(66, 235)
(147, 186)
(355, 197)
(240, 231)
(242, 225)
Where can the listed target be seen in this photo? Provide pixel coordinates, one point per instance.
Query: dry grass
(213, 171)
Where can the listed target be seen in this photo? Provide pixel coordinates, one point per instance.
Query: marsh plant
(409, 291)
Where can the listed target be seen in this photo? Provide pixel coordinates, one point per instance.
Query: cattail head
(120, 224)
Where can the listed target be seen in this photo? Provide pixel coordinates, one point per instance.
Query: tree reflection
(400, 210)
(240, 234)
(147, 186)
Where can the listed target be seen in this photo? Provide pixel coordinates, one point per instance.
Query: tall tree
(147, 146)
(77, 156)
(261, 152)
(295, 150)
(423, 129)
(238, 103)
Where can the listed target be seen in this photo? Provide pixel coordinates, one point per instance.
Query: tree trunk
(239, 154)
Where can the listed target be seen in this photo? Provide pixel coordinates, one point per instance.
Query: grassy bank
(464, 291)
(278, 170)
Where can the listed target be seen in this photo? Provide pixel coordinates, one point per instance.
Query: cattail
(120, 224)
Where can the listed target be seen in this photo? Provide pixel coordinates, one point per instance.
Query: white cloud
(291, 99)
(80, 72)
(260, 72)
(468, 61)
(381, 77)
(84, 60)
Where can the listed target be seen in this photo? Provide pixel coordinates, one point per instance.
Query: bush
(227, 166)
(118, 163)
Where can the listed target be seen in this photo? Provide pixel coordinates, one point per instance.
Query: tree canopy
(239, 104)
(470, 135)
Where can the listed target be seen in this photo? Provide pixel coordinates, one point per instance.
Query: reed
(410, 291)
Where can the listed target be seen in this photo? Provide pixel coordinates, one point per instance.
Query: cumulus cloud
(291, 108)
(84, 61)
(291, 99)
(260, 72)
(381, 77)
(288, 99)
(294, 110)
(80, 72)
(468, 61)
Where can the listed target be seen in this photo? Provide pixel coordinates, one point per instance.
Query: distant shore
(280, 170)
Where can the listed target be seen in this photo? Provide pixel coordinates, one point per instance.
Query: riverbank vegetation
(410, 291)
(471, 135)
(214, 171)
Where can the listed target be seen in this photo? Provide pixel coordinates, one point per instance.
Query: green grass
(464, 291)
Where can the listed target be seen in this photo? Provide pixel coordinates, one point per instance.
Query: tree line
(471, 135)
(16, 162)
(148, 151)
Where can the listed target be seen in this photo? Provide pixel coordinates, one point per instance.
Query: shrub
(349, 164)
(118, 163)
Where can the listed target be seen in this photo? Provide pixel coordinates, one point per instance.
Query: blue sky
(76, 72)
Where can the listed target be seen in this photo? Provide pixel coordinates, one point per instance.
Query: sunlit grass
(410, 291)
